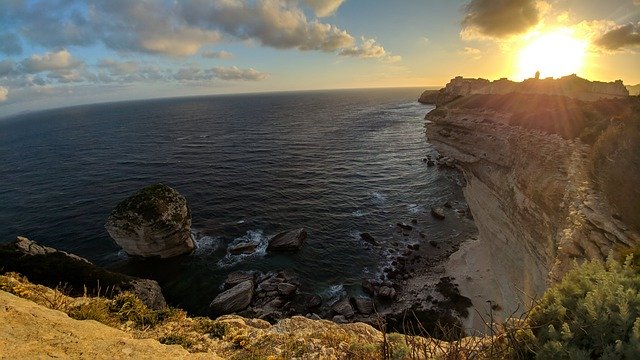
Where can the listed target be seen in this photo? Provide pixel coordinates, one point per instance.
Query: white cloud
(58, 60)
(275, 23)
(3, 93)
(471, 52)
(324, 8)
(234, 73)
(369, 49)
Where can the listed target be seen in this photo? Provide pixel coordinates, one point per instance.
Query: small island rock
(288, 241)
(153, 222)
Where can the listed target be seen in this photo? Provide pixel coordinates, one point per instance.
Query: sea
(337, 163)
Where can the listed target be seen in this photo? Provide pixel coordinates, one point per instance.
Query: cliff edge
(528, 163)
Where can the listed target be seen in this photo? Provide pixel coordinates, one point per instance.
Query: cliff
(529, 188)
(570, 86)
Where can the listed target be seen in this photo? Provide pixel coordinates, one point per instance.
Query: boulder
(51, 267)
(364, 305)
(153, 222)
(437, 212)
(368, 287)
(242, 248)
(368, 238)
(233, 300)
(343, 307)
(386, 292)
(286, 289)
(291, 240)
(238, 277)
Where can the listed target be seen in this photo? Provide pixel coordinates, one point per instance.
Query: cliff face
(531, 197)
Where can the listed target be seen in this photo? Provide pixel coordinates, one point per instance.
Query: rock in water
(438, 213)
(368, 238)
(155, 221)
(235, 299)
(288, 241)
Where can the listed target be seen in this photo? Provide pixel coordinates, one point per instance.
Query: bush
(592, 313)
(174, 339)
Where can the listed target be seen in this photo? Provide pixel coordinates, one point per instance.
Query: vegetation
(593, 313)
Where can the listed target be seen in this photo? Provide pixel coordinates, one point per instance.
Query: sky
(57, 53)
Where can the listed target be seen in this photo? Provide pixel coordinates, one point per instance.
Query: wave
(252, 236)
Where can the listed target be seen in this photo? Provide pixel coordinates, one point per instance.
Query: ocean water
(337, 163)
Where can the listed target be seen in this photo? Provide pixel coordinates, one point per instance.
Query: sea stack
(153, 222)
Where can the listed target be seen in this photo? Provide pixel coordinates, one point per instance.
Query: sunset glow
(554, 54)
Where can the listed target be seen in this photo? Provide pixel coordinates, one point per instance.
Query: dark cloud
(623, 36)
(10, 44)
(7, 67)
(217, 54)
(499, 18)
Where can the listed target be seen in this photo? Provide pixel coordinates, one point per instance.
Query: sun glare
(554, 54)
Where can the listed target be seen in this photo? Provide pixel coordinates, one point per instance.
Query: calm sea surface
(335, 162)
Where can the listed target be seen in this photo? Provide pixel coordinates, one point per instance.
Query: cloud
(324, 8)
(622, 36)
(119, 68)
(10, 44)
(369, 49)
(60, 60)
(3, 93)
(499, 18)
(279, 24)
(7, 67)
(174, 28)
(234, 73)
(217, 54)
(148, 27)
(471, 52)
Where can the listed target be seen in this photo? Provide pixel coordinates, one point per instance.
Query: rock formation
(571, 86)
(530, 194)
(153, 222)
(233, 300)
(48, 266)
(288, 241)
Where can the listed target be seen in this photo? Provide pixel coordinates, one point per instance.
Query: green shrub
(174, 339)
(215, 329)
(128, 307)
(592, 313)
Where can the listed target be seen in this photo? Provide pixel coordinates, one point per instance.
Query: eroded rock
(233, 300)
(153, 222)
(291, 240)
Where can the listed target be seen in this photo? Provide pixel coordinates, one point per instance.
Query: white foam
(206, 245)
(415, 208)
(358, 213)
(334, 292)
(379, 197)
(252, 236)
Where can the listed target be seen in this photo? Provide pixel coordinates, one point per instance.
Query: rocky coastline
(513, 174)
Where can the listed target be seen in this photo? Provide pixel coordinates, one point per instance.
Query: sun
(555, 53)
